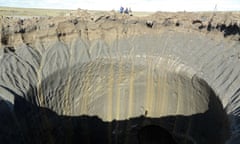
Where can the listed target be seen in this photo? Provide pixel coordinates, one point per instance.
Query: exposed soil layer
(111, 78)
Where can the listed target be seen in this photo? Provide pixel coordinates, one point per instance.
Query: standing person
(130, 12)
(121, 9)
(126, 11)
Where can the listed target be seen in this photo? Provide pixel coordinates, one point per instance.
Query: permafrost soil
(169, 77)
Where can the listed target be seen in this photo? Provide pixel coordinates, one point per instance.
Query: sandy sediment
(103, 78)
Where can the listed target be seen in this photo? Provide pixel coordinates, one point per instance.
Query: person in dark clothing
(121, 9)
(126, 11)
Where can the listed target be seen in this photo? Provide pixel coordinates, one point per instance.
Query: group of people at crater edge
(126, 10)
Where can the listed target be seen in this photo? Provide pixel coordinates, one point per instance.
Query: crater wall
(107, 79)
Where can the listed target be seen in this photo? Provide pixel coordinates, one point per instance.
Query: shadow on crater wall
(29, 124)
